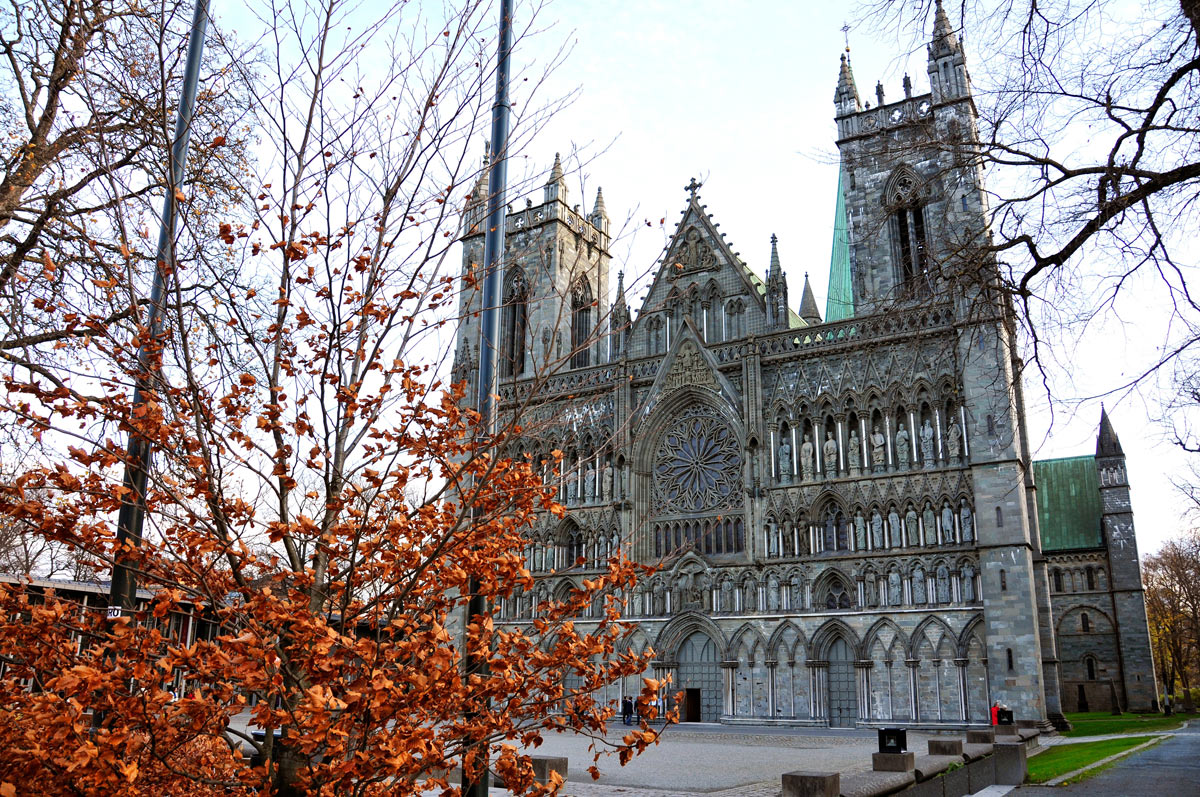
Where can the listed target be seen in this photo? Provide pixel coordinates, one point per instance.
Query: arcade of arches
(838, 677)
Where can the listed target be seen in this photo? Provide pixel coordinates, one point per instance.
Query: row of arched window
(708, 536)
(575, 548)
(1089, 578)
(716, 320)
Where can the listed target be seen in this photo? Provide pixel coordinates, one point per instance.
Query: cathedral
(846, 524)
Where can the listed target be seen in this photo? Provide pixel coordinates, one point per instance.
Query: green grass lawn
(1099, 723)
(1066, 758)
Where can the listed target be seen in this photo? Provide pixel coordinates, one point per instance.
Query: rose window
(698, 465)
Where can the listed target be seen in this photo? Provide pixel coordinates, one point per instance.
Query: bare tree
(1089, 124)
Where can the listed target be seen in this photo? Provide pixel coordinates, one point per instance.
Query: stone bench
(1014, 733)
(930, 766)
(856, 784)
(974, 752)
(981, 736)
(543, 765)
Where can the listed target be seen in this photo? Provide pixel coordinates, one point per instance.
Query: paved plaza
(716, 759)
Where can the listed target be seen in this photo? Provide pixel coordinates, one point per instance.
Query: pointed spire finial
(692, 187)
(556, 173)
(808, 304)
(775, 265)
(846, 96)
(945, 40)
(1107, 442)
(598, 208)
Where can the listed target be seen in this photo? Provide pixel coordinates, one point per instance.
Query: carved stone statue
(726, 596)
(854, 454)
(589, 484)
(785, 462)
(910, 523)
(968, 526)
(797, 593)
(927, 444)
(930, 520)
(876, 530)
(772, 539)
(954, 441)
(659, 602)
(860, 531)
(878, 455)
(918, 586)
(947, 523)
(806, 458)
(895, 529)
(606, 483)
(773, 593)
(894, 596)
(943, 584)
(870, 588)
(968, 584)
(572, 488)
(829, 449)
(902, 448)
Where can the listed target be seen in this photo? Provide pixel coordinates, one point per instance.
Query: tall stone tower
(554, 310)
(1125, 581)
(915, 214)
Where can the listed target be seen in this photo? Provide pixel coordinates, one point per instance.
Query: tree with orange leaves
(317, 492)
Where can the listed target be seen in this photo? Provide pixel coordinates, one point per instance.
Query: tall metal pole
(493, 265)
(123, 590)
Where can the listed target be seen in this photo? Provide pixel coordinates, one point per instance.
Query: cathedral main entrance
(699, 677)
(843, 698)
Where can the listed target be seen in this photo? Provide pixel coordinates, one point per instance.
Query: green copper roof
(839, 303)
(1068, 503)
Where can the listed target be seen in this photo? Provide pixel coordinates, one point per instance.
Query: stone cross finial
(692, 187)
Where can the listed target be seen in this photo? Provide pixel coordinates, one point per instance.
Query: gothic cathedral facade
(842, 511)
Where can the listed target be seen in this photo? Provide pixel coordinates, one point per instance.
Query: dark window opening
(575, 547)
(1010, 659)
(515, 327)
(1091, 669)
(909, 227)
(1058, 581)
(581, 324)
(1003, 581)
(1085, 622)
(999, 518)
(1091, 578)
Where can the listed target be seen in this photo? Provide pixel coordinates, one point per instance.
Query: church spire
(1107, 442)
(845, 98)
(556, 186)
(948, 78)
(777, 291)
(945, 40)
(599, 217)
(619, 321)
(808, 304)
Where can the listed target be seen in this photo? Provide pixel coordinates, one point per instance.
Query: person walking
(626, 711)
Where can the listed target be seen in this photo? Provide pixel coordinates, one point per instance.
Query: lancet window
(515, 326)
(581, 323)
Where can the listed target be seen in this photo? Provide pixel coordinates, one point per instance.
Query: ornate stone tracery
(697, 465)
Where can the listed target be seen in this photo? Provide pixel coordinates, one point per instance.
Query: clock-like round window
(698, 465)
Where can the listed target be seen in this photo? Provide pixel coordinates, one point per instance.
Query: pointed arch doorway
(843, 697)
(699, 678)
